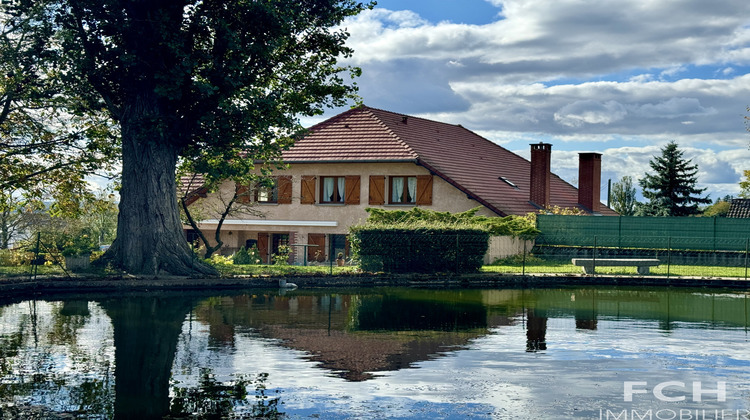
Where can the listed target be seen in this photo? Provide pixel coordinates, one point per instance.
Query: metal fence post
(669, 256)
(593, 263)
(523, 259)
(330, 254)
(35, 263)
(747, 248)
(458, 269)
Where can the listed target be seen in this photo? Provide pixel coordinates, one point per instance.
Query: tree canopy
(623, 196)
(671, 189)
(745, 184)
(189, 79)
(46, 148)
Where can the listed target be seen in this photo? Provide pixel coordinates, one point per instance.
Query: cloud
(674, 108)
(590, 112)
(579, 74)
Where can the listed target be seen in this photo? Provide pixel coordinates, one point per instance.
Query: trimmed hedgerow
(420, 248)
(516, 226)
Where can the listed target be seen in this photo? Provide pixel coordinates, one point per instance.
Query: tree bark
(150, 238)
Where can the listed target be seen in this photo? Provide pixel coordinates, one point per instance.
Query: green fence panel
(687, 233)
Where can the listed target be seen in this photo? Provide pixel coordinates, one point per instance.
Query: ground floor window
(191, 235)
(338, 245)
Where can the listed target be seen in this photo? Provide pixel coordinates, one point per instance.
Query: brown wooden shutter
(243, 193)
(351, 185)
(308, 189)
(377, 190)
(424, 190)
(316, 253)
(196, 195)
(263, 247)
(284, 188)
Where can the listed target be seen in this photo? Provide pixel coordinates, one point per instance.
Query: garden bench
(642, 264)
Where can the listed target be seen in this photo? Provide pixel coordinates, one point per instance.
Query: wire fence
(666, 258)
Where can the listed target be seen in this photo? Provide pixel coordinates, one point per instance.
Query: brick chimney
(589, 180)
(540, 174)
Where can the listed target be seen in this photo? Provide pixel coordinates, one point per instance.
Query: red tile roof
(464, 159)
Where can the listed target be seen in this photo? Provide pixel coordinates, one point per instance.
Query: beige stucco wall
(301, 219)
(505, 246)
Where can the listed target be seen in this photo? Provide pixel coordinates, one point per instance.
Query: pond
(406, 353)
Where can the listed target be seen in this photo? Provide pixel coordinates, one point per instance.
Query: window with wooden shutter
(377, 190)
(243, 193)
(284, 186)
(402, 190)
(267, 190)
(332, 189)
(424, 190)
(352, 189)
(308, 189)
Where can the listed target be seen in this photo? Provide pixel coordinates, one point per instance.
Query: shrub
(241, 257)
(516, 226)
(218, 260)
(420, 249)
(282, 257)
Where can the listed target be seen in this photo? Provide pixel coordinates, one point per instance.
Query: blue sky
(618, 77)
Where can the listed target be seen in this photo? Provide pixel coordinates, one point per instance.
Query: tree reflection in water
(122, 357)
(213, 399)
(46, 372)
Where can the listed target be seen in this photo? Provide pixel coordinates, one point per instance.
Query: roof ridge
(328, 121)
(389, 130)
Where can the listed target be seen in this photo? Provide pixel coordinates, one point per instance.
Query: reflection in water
(212, 399)
(536, 329)
(146, 331)
(178, 355)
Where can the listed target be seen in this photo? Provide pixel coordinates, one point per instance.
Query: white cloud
(590, 112)
(674, 108)
(580, 74)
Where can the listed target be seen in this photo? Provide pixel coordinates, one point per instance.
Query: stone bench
(642, 264)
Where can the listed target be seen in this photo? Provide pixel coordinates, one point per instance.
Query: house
(367, 157)
(739, 208)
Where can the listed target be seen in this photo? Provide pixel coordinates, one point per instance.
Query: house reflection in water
(353, 336)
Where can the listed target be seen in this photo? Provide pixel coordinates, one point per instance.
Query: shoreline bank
(43, 286)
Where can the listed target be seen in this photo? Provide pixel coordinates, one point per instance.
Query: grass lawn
(25, 270)
(282, 270)
(537, 266)
(551, 267)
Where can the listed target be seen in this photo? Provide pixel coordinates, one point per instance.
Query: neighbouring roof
(494, 176)
(191, 187)
(739, 208)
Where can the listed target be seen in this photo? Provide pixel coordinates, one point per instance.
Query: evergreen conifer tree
(671, 190)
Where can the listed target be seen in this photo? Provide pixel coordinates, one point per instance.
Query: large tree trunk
(150, 237)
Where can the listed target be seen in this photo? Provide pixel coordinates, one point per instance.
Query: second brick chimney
(589, 180)
(540, 174)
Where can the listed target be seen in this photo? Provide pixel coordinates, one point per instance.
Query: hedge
(420, 250)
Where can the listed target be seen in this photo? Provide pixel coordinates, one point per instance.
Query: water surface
(380, 353)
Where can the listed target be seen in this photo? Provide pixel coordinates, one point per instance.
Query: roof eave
(291, 161)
